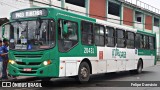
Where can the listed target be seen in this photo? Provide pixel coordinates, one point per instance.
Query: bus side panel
(69, 66)
(111, 60)
(130, 59)
(147, 56)
(101, 62)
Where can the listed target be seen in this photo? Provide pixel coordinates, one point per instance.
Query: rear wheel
(139, 68)
(84, 72)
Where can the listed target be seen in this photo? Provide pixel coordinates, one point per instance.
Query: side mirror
(65, 29)
(5, 29)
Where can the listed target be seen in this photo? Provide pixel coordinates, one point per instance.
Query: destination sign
(29, 13)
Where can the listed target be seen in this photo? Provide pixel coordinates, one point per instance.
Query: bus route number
(88, 50)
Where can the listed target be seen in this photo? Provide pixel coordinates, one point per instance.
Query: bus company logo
(6, 84)
(117, 52)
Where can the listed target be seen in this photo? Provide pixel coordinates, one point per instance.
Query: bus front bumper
(38, 70)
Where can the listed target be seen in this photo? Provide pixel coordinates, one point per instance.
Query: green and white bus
(50, 42)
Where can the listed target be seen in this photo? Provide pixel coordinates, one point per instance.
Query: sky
(155, 3)
(7, 6)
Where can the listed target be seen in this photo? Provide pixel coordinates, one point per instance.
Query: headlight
(47, 62)
(11, 61)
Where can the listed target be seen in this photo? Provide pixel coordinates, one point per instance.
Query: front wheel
(84, 72)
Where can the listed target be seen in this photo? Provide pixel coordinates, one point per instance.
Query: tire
(139, 68)
(83, 72)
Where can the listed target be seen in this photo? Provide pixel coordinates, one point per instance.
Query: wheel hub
(84, 72)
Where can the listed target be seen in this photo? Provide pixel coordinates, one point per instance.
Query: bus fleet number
(89, 50)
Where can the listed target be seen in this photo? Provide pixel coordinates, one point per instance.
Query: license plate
(27, 69)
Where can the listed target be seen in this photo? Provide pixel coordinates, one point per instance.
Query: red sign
(100, 55)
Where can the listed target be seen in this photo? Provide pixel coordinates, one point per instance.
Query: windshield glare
(32, 35)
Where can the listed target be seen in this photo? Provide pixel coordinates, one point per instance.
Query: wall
(128, 16)
(148, 22)
(98, 7)
(76, 8)
(113, 19)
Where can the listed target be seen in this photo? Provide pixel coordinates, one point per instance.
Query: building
(131, 13)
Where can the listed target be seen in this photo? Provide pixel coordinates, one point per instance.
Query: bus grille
(30, 63)
(28, 55)
(28, 72)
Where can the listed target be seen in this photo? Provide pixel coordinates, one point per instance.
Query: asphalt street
(108, 81)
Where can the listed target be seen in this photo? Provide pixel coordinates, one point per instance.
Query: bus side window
(138, 41)
(151, 43)
(67, 40)
(120, 35)
(87, 33)
(146, 42)
(99, 35)
(141, 42)
(110, 36)
(130, 40)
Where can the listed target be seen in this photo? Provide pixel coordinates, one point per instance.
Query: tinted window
(110, 37)
(67, 39)
(87, 33)
(151, 43)
(120, 38)
(99, 35)
(130, 40)
(141, 41)
(137, 41)
(146, 42)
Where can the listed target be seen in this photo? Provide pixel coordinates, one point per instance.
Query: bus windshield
(32, 35)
